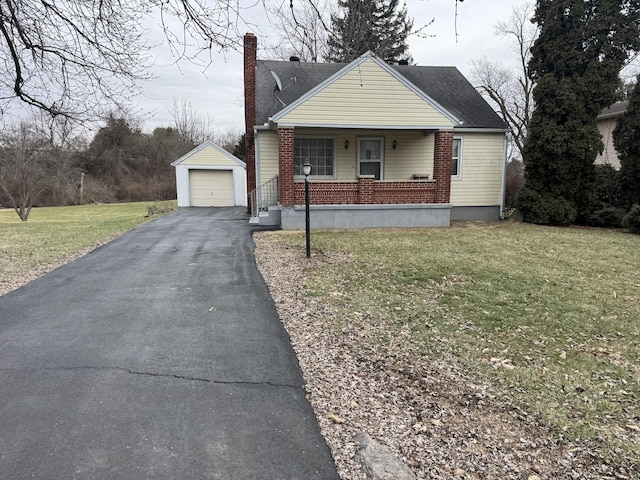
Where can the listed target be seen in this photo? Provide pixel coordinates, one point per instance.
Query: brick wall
(442, 152)
(326, 193)
(404, 192)
(285, 166)
(250, 62)
(364, 192)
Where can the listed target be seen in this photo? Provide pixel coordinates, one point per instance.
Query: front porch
(415, 190)
(365, 203)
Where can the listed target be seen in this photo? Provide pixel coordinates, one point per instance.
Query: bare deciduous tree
(301, 31)
(29, 166)
(77, 59)
(227, 138)
(511, 90)
(193, 127)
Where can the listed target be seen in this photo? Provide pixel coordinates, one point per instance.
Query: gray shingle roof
(613, 111)
(445, 85)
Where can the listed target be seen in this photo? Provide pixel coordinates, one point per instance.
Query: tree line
(42, 162)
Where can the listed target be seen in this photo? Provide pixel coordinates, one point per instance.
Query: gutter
(504, 175)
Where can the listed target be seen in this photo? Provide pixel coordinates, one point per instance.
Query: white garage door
(211, 188)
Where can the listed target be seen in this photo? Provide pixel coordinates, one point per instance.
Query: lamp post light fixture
(306, 169)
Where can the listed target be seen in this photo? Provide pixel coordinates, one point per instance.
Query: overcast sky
(218, 90)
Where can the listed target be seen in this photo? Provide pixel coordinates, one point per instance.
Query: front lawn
(549, 316)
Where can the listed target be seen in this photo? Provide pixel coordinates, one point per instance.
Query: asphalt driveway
(157, 356)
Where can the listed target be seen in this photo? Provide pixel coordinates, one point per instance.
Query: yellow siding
(268, 142)
(209, 156)
(609, 155)
(366, 94)
(482, 160)
(414, 155)
(482, 163)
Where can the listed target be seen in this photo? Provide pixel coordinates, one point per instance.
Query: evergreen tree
(575, 63)
(376, 25)
(626, 138)
(239, 149)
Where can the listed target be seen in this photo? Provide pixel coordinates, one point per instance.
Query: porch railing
(263, 197)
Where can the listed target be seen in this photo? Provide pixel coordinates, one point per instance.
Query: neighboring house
(209, 176)
(389, 145)
(606, 123)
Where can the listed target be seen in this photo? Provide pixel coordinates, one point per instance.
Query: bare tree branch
(83, 59)
(192, 127)
(511, 92)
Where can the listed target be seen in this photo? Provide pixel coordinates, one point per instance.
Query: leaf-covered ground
(545, 320)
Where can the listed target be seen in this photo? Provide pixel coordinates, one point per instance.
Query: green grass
(549, 316)
(53, 233)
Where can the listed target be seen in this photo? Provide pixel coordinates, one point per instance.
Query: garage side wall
(182, 185)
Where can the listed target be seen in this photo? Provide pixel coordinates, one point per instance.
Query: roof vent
(403, 62)
(294, 59)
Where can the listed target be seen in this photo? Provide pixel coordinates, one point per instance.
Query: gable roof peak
(444, 85)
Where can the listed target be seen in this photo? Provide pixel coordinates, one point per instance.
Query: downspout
(504, 175)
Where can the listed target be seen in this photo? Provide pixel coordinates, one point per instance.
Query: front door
(371, 157)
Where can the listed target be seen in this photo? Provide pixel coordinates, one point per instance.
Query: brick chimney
(250, 62)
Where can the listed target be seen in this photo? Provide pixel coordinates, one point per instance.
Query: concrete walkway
(158, 356)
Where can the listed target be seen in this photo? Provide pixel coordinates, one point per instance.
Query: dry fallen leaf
(431, 410)
(335, 418)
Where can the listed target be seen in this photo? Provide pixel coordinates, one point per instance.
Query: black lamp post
(306, 169)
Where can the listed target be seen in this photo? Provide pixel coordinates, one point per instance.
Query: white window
(371, 157)
(320, 152)
(456, 158)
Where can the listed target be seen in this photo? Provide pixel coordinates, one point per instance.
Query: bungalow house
(606, 122)
(389, 145)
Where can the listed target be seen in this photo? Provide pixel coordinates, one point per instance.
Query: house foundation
(366, 216)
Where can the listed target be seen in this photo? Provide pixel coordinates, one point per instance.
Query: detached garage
(209, 176)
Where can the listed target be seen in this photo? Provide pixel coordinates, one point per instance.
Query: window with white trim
(371, 156)
(456, 158)
(321, 155)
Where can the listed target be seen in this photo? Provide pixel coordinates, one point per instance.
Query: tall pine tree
(626, 138)
(575, 62)
(376, 25)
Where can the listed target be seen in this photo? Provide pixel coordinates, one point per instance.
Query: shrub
(608, 186)
(159, 209)
(632, 219)
(513, 183)
(545, 209)
(607, 217)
